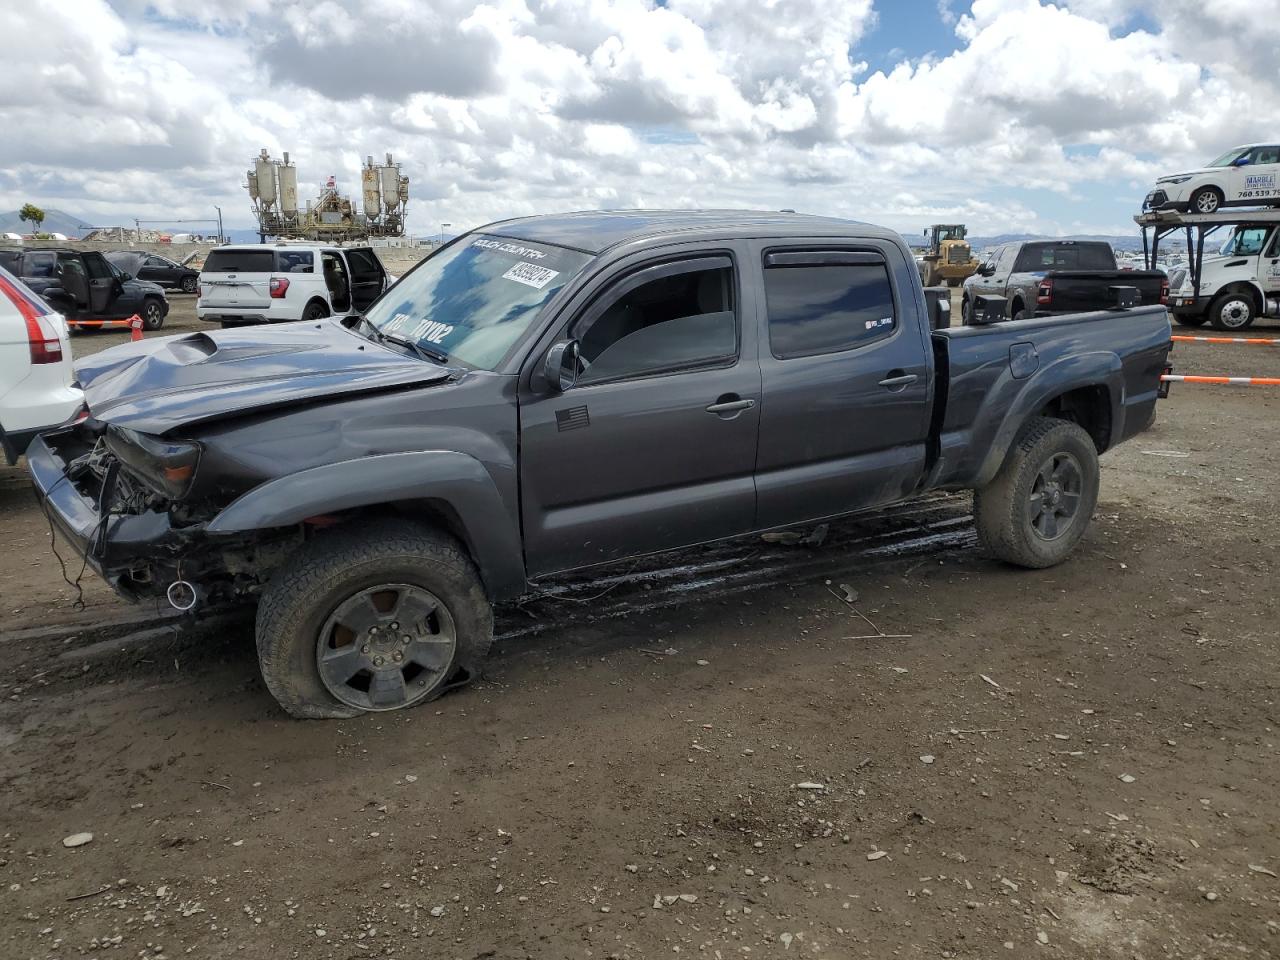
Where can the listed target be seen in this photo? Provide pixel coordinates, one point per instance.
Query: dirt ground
(718, 757)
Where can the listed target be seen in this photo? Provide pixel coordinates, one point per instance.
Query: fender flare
(461, 482)
(1089, 370)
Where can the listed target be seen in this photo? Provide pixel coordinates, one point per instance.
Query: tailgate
(229, 290)
(237, 277)
(1084, 290)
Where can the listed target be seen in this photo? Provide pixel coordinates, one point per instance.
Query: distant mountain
(55, 221)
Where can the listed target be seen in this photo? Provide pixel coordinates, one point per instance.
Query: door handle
(898, 380)
(730, 403)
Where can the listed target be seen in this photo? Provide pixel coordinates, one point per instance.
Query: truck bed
(995, 376)
(1078, 290)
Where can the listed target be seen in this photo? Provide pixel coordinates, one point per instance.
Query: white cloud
(503, 107)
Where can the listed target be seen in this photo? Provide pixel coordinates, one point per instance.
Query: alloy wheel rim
(1208, 202)
(1055, 497)
(386, 647)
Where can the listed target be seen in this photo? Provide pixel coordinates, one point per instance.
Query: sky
(1008, 115)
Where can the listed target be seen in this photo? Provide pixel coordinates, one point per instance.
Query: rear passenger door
(845, 380)
(103, 285)
(655, 445)
(368, 279)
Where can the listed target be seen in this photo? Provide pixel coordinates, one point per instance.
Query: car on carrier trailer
(1245, 176)
(558, 392)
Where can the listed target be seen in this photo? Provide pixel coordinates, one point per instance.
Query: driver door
(654, 447)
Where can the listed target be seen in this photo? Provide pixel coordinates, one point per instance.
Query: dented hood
(156, 385)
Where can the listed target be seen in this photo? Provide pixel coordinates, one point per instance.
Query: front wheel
(188, 284)
(381, 616)
(1206, 200)
(152, 315)
(1040, 503)
(1190, 321)
(1232, 311)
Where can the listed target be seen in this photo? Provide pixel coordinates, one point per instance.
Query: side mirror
(1242, 162)
(125, 276)
(561, 365)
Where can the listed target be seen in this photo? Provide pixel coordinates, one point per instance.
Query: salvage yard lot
(1079, 760)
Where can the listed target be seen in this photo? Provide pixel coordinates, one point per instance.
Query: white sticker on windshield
(882, 322)
(531, 275)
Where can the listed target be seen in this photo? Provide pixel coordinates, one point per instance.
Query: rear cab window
(821, 302)
(240, 261)
(1064, 255)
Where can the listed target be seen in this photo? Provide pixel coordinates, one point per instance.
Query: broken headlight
(166, 466)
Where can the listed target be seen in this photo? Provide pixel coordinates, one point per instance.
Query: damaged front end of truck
(124, 501)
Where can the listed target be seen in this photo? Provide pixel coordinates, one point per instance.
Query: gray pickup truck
(1047, 277)
(557, 392)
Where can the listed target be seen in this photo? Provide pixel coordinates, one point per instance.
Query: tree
(32, 213)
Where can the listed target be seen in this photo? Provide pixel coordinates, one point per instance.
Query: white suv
(37, 387)
(270, 283)
(1247, 176)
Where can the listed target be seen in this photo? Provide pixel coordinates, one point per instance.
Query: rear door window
(40, 264)
(295, 261)
(827, 307)
(364, 262)
(240, 261)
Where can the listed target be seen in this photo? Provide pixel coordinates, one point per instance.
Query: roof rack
(1162, 223)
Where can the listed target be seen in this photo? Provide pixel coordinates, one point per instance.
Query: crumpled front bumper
(111, 548)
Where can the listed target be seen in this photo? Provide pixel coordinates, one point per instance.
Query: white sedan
(1247, 176)
(37, 386)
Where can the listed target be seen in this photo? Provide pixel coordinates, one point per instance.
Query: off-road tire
(1184, 320)
(1206, 200)
(341, 562)
(152, 314)
(1002, 509)
(315, 311)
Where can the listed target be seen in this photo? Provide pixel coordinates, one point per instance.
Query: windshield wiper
(435, 356)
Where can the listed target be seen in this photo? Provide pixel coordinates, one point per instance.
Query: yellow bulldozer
(948, 258)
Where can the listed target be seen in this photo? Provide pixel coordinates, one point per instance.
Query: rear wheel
(315, 311)
(1206, 200)
(1040, 503)
(1233, 311)
(152, 314)
(379, 617)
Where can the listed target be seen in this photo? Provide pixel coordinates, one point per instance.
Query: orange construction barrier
(134, 323)
(1269, 341)
(1230, 381)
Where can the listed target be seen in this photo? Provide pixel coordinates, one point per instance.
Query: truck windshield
(1230, 157)
(474, 299)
